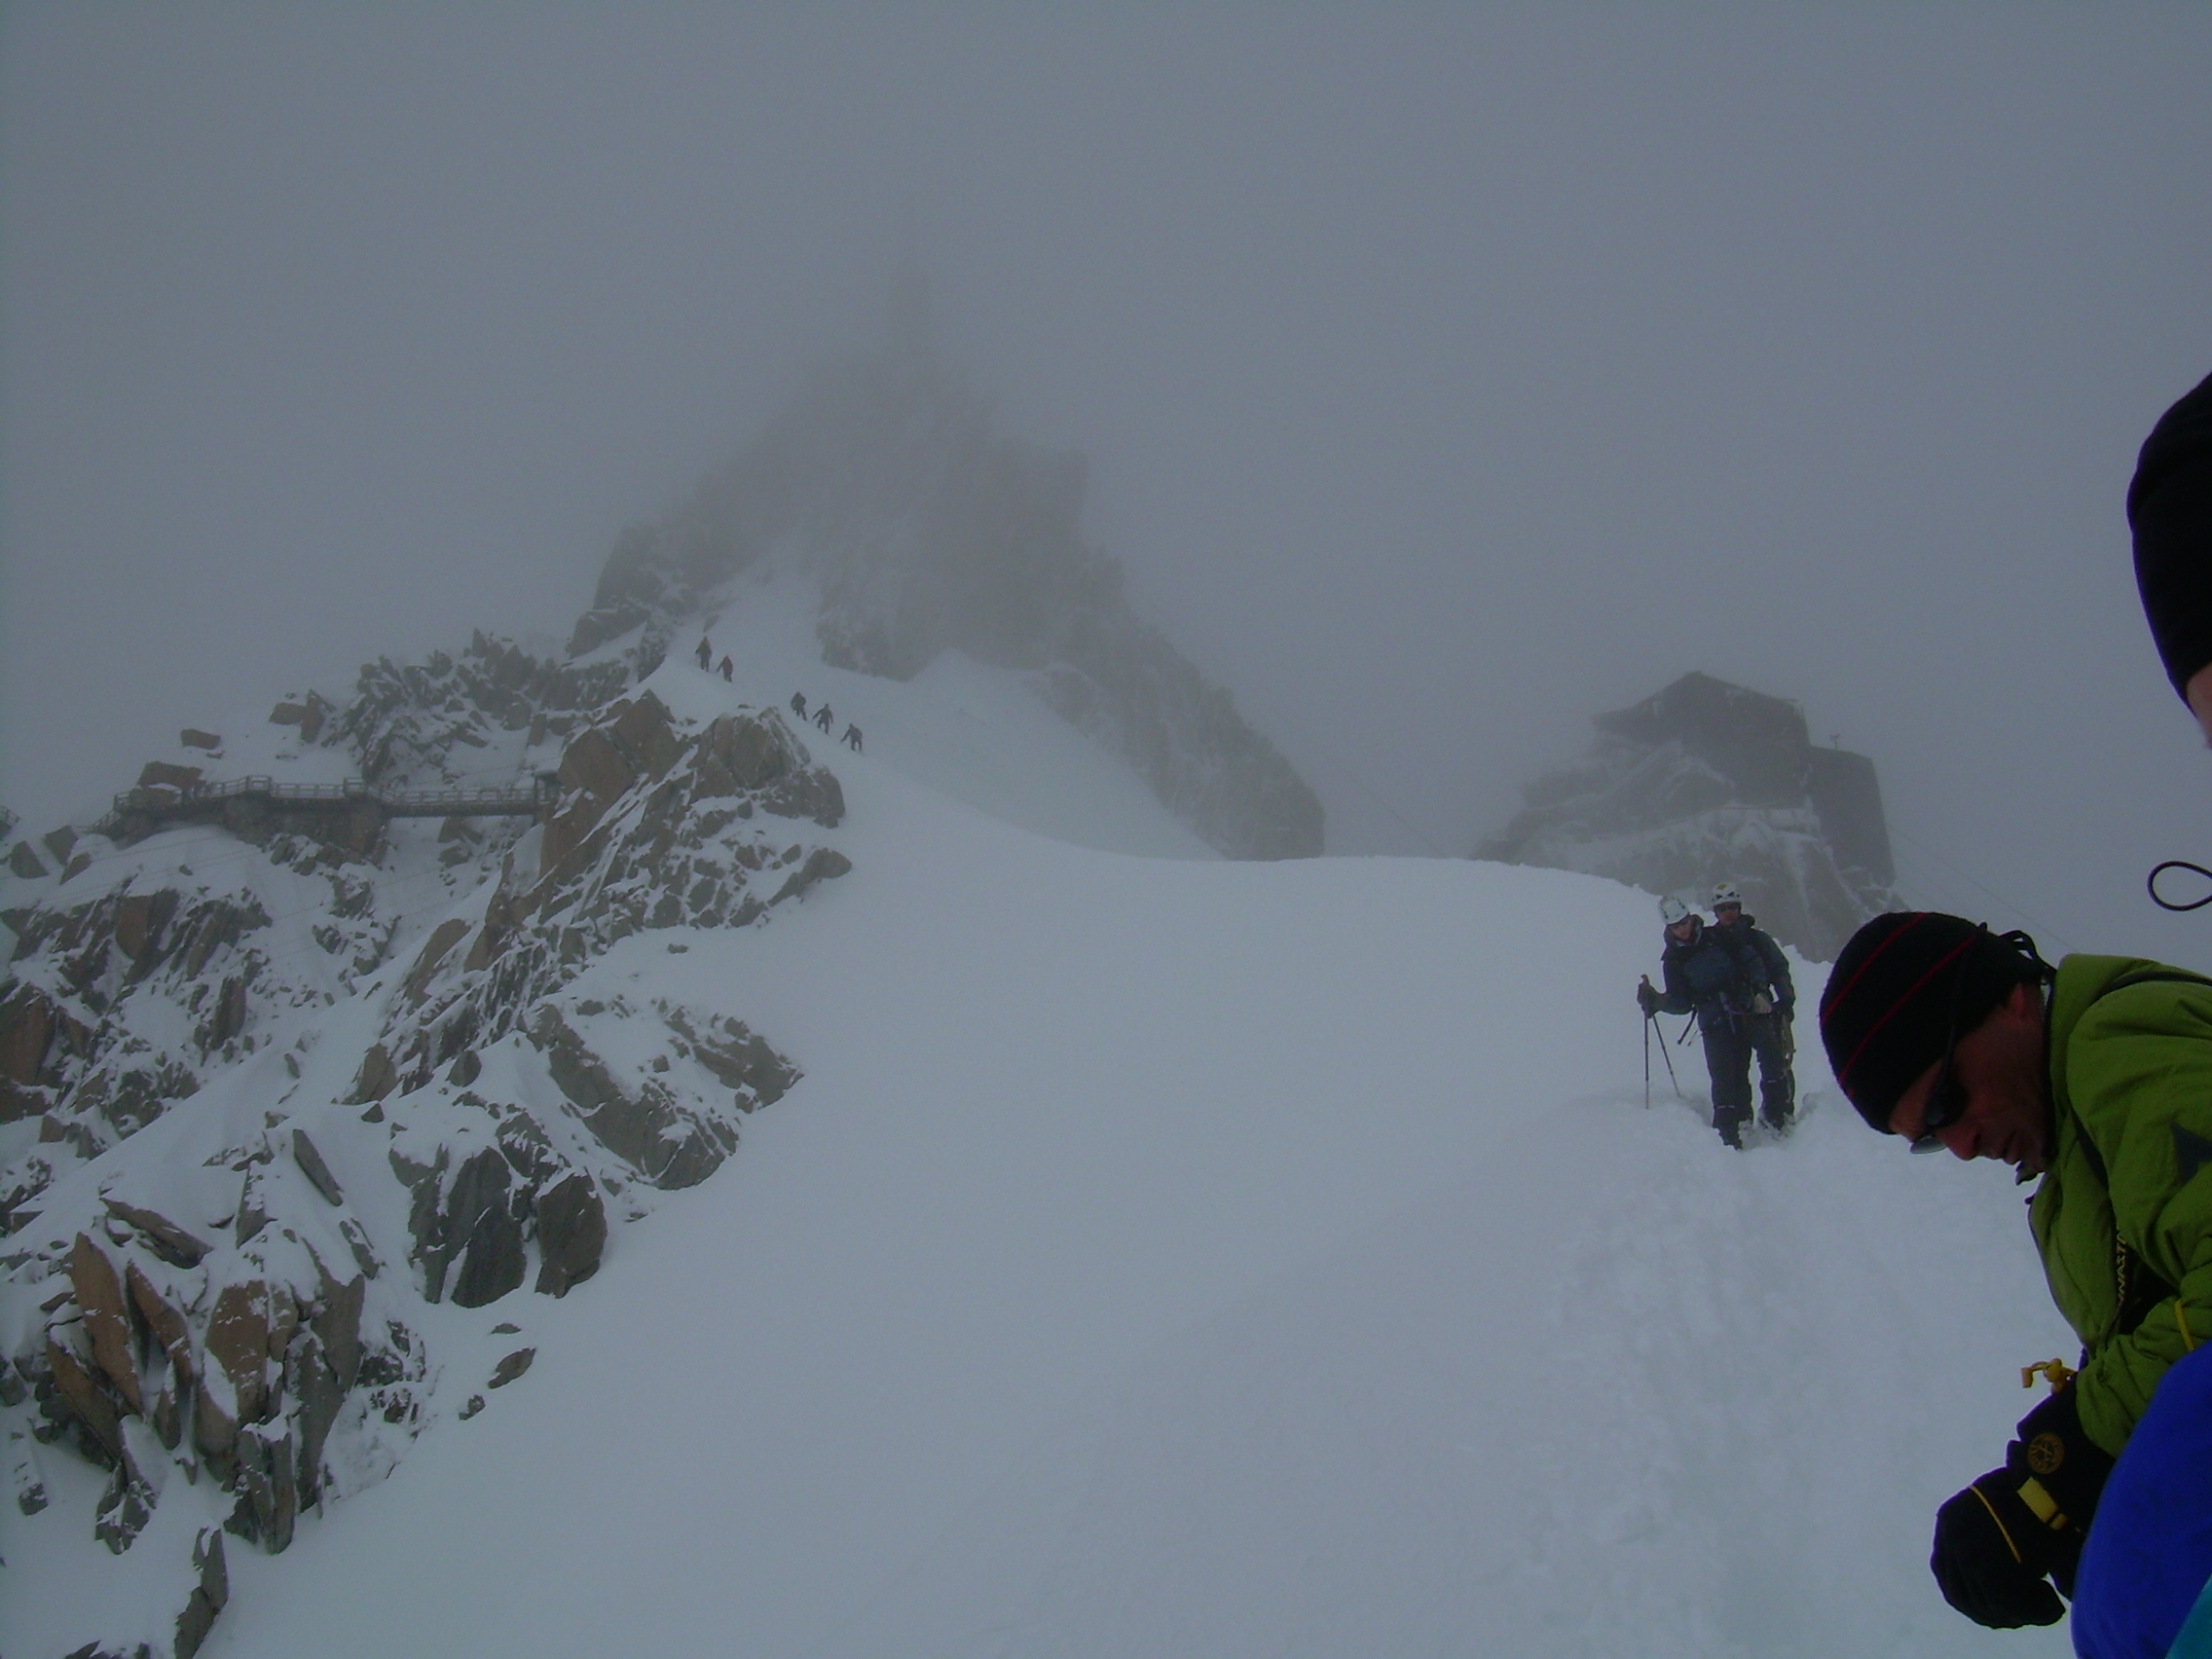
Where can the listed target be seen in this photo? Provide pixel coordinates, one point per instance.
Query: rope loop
(2165, 904)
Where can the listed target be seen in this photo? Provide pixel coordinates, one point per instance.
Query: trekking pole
(1647, 1062)
(1669, 1058)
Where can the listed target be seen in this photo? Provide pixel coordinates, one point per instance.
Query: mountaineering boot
(1730, 1125)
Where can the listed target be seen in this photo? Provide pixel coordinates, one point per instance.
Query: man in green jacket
(2097, 1077)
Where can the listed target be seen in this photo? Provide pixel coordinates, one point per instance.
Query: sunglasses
(1946, 1104)
(1947, 1097)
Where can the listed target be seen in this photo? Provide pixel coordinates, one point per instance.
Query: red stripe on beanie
(1836, 1001)
(1887, 1014)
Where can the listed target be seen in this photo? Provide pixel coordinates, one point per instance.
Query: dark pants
(1730, 1042)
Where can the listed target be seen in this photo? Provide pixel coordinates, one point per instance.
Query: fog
(1445, 377)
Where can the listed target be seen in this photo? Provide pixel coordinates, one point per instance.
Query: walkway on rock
(138, 812)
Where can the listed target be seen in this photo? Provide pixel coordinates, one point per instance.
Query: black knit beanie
(1896, 995)
(2169, 508)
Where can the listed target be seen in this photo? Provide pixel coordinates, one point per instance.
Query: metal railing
(515, 799)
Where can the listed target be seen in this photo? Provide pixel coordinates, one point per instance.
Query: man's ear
(2024, 1002)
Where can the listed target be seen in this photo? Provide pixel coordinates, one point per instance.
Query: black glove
(1647, 999)
(1990, 1558)
(1998, 1541)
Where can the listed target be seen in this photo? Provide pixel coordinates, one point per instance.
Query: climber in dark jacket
(1708, 974)
(1763, 1026)
(799, 704)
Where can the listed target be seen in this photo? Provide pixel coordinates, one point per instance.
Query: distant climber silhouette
(851, 738)
(799, 704)
(727, 669)
(824, 718)
(705, 654)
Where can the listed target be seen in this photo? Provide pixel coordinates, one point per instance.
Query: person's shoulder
(2099, 999)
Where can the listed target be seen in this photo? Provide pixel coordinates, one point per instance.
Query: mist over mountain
(884, 481)
(1704, 782)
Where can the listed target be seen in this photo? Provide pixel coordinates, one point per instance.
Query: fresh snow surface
(1168, 1257)
(967, 730)
(1164, 1255)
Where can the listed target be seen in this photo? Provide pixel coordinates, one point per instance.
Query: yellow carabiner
(2056, 1371)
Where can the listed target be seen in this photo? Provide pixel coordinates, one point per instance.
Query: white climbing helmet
(1727, 893)
(1672, 910)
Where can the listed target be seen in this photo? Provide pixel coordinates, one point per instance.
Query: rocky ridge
(884, 480)
(1705, 782)
(282, 1107)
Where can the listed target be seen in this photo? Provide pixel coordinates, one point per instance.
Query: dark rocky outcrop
(1705, 782)
(218, 1315)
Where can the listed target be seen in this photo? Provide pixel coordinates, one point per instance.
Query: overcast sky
(1448, 375)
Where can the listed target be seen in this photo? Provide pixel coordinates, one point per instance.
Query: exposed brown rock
(208, 1596)
(311, 1165)
(127, 1506)
(501, 916)
(25, 862)
(214, 1430)
(337, 1326)
(167, 1413)
(84, 1398)
(164, 1322)
(595, 766)
(494, 1262)
(268, 1470)
(288, 714)
(741, 1061)
(747, 749)
(650, 1130)
(132, 915)
(571, 1233)
(230, 1013)
(642, 730)
(164, 1237)
(193, 738)
(251, 1217)
(376, 1079)
(823, 864)
(167, 775)
(283, 1321)
(58, 842)
(107, 1317)
(512, 1366)
(237, 1342)
(443, 938)
(26, 1024)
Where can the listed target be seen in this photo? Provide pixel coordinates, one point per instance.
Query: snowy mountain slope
(1154, 1254)
(964, 729)
(1169, 1257)
(923, 530)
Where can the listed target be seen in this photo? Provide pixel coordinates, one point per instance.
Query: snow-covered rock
(281, 1089)
(1707, 781)
(926, 532)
